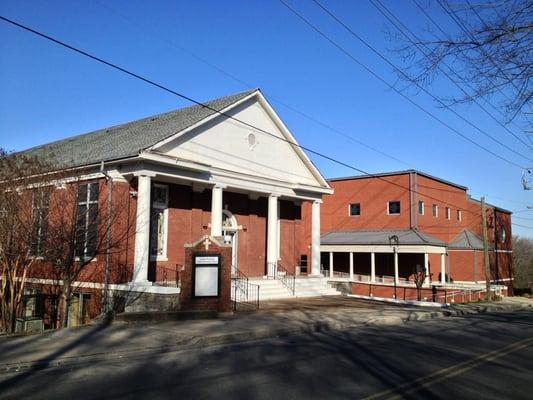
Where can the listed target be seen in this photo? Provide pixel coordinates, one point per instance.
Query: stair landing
(304, 287)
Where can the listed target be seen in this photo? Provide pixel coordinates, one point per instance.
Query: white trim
(129, 287)
(382, 248)
(459, 215)
(272, 114)
(503, 251)
(211, 175)
(448, 213)
(435, 210)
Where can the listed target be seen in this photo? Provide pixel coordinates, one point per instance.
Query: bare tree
(87, 231)
(490, 56)
(56, 226)
(20, 211)
(419, 277)
(522, 263)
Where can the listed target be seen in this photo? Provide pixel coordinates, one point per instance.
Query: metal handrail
(167, 276)
(285, 277)
(244, 293)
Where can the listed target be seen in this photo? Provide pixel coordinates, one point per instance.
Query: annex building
(380, 230)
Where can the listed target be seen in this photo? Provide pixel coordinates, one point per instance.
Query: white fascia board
(228, 178)
(288, 135)
(359, 248)
(270, 111)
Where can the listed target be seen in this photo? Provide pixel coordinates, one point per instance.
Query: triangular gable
(226, 144)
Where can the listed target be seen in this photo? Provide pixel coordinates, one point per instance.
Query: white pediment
(226, 144)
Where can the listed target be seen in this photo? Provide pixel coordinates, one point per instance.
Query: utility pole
(485, 246)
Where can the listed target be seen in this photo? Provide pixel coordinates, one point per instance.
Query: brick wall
(222, 303)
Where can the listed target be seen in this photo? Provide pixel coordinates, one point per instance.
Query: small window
(394, 207)
(421, 207)
(459, 216)
(355, 209)
(435, 210)
(448, 213)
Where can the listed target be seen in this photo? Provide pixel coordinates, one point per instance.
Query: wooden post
(485, 247)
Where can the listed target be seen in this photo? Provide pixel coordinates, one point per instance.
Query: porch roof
(379, 237)
(467, 240)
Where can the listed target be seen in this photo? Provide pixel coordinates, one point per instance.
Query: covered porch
(388, 257)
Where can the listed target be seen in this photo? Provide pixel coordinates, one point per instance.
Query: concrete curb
(257, 334)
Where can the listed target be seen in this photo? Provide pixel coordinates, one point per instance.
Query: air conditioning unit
(29, 325)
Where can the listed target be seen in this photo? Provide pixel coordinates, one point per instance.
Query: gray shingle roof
(379, 237)
(127, 140)
(467, 240)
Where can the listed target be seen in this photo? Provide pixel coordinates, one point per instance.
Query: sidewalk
(275, 318)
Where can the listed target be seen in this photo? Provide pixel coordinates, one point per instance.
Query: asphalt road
(487, 356)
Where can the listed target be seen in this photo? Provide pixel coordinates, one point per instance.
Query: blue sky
(48, 93)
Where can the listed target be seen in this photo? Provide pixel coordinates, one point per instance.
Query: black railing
(245, 295)
(285, 277)
(167, 276)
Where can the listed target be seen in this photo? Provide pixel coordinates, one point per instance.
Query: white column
(426, 268)
(443, 268)
(272, 234)
(142, 231)
(396, 272)
(315, 238)
(330, 264)
(216, 211)
(351, 267)
(372, 267)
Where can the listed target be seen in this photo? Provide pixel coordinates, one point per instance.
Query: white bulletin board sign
(206, 275)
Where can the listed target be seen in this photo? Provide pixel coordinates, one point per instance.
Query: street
(487, 356)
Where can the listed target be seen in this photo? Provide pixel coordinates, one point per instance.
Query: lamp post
(394, 241)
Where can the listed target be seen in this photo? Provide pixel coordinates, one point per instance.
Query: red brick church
(220, 192)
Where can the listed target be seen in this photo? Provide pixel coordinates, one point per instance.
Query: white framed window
(159, 223)
(459, 215)
(448, 213)
(435, 210)
(393, 207)
(354, 209)
(421, 207)
(87, 220)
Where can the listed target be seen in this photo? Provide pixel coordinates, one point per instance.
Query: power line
(445, 34)
(378, 77)
(245, 84)
(143, 28)
(190, 99)
(435, 98)
(438, 66)
(522, 226)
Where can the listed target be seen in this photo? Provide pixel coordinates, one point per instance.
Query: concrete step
(304, 287)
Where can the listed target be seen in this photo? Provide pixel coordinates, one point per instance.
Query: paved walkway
(275, 318)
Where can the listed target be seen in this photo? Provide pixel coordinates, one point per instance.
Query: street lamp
(394, 241)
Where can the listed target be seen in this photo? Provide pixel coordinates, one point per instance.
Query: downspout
(108, 244)
(413, 200)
